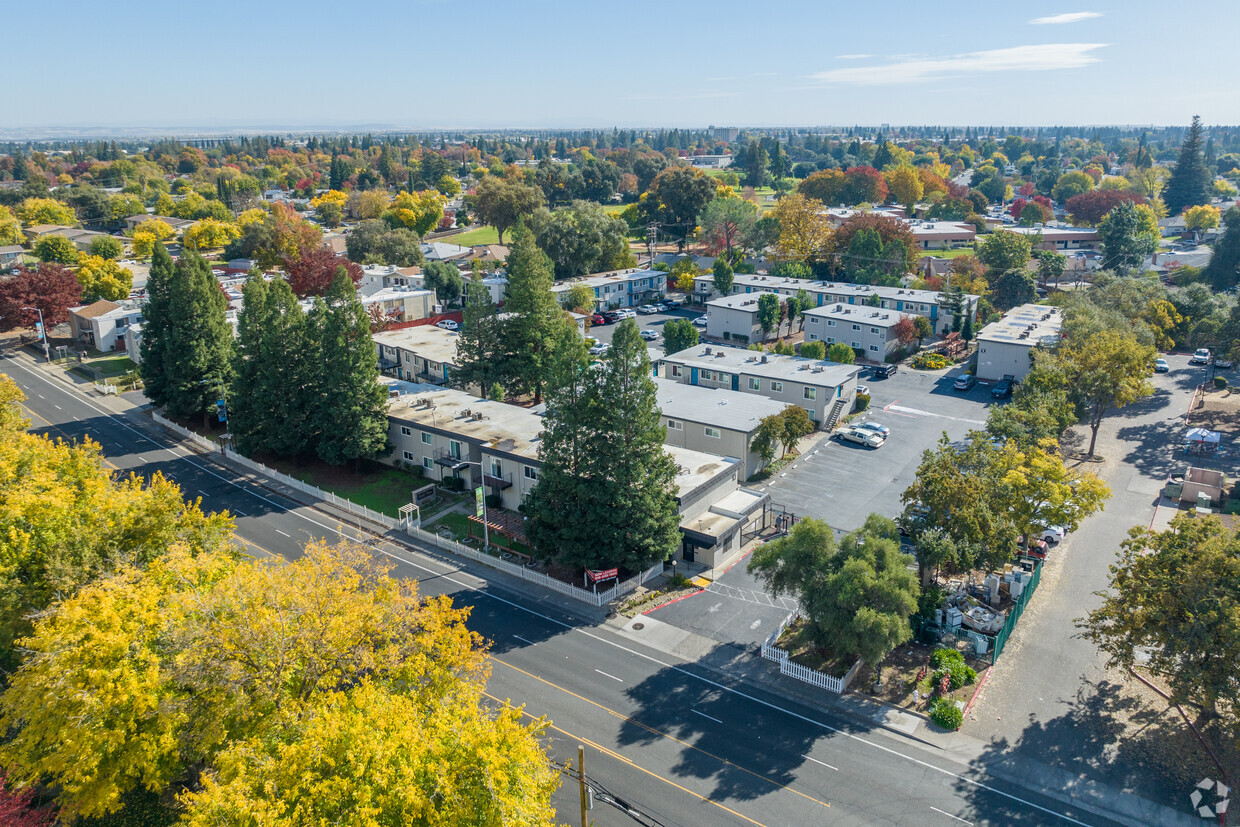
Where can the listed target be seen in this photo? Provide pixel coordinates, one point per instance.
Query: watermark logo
(1210, 798)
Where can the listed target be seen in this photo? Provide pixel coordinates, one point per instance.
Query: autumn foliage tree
(312, 273)
(1089, 208)
(51, 288)
(889, 229)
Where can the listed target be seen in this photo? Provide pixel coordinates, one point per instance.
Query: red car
(597, 318)
(1038, 549)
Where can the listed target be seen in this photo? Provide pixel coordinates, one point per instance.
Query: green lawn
(471, 238)
(379, 488)
(963, 251)
(614, 209)
(111, 364)
(458, 524)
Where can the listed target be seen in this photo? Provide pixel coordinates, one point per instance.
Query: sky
(431, 64)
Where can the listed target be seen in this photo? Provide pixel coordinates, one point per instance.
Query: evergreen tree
(966, 325)
(607, 492)
(155, 325)
(350, 416)
(1189, 184)
(197, 348)
(479, 347)
(533, 317)
(1223, 271)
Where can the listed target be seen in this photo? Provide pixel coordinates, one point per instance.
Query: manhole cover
(637, 627)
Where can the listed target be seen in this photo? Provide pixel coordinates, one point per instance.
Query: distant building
(1060, 238)
(1004, 348)
(102, 325)
(620, 288)
(177, 224)
(727, 134)
(10, 254)
(417, 354)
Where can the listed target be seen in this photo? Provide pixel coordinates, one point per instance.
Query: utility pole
(652, 234)
(47, 357)
(581, 783)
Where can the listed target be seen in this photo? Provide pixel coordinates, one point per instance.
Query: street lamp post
(486, 533)
(42, 332)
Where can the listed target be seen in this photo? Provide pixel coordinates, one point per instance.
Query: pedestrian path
(752, 596)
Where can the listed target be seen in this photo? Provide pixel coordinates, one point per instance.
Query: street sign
(602, 574)
(480, 505)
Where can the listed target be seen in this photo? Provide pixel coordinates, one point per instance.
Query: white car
(1200, 357)
(647, 309)
(701, 321)
(1054, 534)
(600, 349)
(649, 335)
(627, 314)
(869, 439)
(447, 324)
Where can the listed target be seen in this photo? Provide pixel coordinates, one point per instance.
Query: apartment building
(1060, 239)
(714, 420)
(1005, 347)
(869, 331)
(928, 303)
(824, 389)
(417, 354)
(102, 325)
(620, 288)
(401, 304)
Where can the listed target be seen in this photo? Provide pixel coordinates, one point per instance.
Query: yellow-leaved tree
(419, 211)
(160, 229)
(34, 211)
(313, 692)
(803, 229)
(10, 228)
(103, 278)
(905, 186)
(210, 233)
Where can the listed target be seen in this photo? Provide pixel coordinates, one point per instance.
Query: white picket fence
(459, 549)
(803, 673)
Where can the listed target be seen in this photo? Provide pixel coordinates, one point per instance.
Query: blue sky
(544, 63)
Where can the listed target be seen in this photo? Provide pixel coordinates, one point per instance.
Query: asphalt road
(678, 742)
(655, 322)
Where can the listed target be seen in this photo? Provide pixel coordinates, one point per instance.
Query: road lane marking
(895, 408)
(716, 720)
(659, 732)
(949, 815)
(141, 458)
(57, 407)
(530, 642)
(278, 531)
(203, 493)
(605, 675)
(824, 763)
(613, 754)
(239, 513)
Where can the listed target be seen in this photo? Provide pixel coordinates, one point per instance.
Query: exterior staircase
(833, 415)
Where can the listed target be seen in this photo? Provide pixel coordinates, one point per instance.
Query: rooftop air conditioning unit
(467, 413)
(764, 360)
(477, 416)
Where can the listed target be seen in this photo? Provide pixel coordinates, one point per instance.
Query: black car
(883, 371)
(1003, 388)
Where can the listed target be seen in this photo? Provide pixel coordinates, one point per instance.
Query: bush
(453, 483)
(946, 714)
(931, 361)
(726, 335)
(662, 267)
(950, 662)
(739, 337)
(945, 657)
(495, 501)
(1220, 381)
(863, 401)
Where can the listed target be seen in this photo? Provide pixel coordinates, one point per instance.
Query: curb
(978, 691)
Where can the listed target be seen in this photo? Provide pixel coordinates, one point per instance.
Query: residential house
(424, 353)
(11, 254)
(377, 277)
(102, 325)
(443, 251)
(177, 224)
(620, 288)
(1060, 238)
(1005, 347)
(870, 331)
(450, 433)
(714, 420)
(37, 231)
(824, 389)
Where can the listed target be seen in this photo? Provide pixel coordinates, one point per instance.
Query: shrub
(1220, 381)
(945, 657)
(453, 483)
(931, 361)
(495, 501)
(950, 662)
(726, 335)
(863, 401)
(946, 714)
(662, 267)
(739, 337)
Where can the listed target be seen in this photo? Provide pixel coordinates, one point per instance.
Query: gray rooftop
(734, 410)
(834, 288)
(427, 341)
(1029, 324)
(821, 373)
(857, 314)
(502, 427)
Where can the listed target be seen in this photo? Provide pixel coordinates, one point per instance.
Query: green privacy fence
(966, 640)
(1016, 611)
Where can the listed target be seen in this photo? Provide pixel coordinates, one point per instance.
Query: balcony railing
(447, 459)
(498, 483)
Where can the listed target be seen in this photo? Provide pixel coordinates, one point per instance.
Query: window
(427, 463)
(426, 438)
(856, 345)
(496, 468)
(530, 473)
(409, 455)
(811, 394)
(676, 370)
(755, 384)
(405, 430)
(713, 433)
(777, 387)
(813, 337)
(813, 320)
(830, 322)
(674, 425)
(454, 449)
(856, 327)
(874, 330)
(874, 348)
(830, 340)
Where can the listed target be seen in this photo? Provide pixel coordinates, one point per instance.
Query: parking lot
(655, 322)
(843, 483)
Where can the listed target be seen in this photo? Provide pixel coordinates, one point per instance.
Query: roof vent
(720, 355)
(477, 416)
(764, 360)
(467, 413)
(708, 350)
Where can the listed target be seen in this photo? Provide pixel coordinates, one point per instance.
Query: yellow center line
(619, 757)
(660, 733)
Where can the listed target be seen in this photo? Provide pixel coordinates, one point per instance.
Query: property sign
(479, 503)
(603, 574)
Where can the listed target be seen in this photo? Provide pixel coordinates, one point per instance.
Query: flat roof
(611, 277)
(427, 341)
(510, 429)
(734, 410)
(737, 360)
(737, 301)
(697, 468)
(1053, 232)
(1029, 324)
(858, 313)
(839, 288)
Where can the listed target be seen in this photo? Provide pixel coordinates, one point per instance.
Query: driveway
(655, 322)
(844, 483)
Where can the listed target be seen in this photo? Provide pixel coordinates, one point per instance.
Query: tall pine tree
(350, 416)
(197, 350)
(1189, 184)
(533, 318)
(479, 347)
(156, 321)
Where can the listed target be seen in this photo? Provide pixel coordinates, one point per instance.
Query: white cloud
(852, 57)
(1036, 58)
(1070, 17)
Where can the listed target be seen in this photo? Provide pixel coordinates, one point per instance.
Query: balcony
(447, 459)
(498, 483)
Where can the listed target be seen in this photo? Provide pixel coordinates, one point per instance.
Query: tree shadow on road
(1107, 735)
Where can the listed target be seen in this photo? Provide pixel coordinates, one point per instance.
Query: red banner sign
(605, 574)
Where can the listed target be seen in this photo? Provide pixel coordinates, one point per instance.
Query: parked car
(599, 349)
(964, 383)
(1223, 362)
(884, 371)
(626, 314)
(1200, 357)
(858, 435)
(1054, 534)
(448, 324)
(1161, 366)
(1037, 549)
(701, 321)
(881, 430)
(1003, 388)
(647, 309)
(649, 335)
(598, 318)
(663, 307)
(611, 316)
(863, 389)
